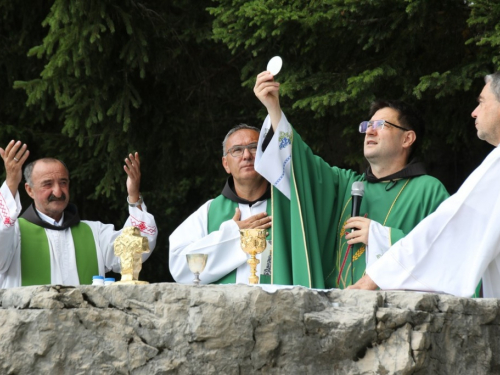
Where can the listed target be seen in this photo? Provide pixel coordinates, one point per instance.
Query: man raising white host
(456, 246)
(317, 240)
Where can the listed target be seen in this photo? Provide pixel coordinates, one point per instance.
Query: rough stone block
(237, 329)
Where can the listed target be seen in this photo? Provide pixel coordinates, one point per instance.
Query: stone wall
(182, 329)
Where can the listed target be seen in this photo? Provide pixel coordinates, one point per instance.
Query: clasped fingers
(360, 227)
(264, 85)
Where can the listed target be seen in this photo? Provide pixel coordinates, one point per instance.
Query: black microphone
(357, 192)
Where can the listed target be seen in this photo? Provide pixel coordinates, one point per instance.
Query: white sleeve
(222, 247)
(106, 235)
(379, 241)
(10, 237)
(146, 223)
(451, 249)
(275, 162)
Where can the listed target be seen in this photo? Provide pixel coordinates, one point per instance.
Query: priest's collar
(230, 193)
(413, 169)
(49, 220)
(70, 218)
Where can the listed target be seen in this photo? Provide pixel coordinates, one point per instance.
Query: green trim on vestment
(477, 293)
(221, 210)
(85, 253)
(309, 236)
(35, 254)
(282, 259)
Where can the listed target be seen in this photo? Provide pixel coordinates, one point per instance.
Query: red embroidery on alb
(4, 211)
(142, 226)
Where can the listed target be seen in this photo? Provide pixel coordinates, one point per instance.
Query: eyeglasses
(237, 151)
(377, 124)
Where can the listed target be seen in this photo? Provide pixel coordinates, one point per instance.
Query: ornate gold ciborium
(253, 242)
(129, 247)
(196, 264)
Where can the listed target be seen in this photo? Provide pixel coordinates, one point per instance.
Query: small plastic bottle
(109, 280)
(97, 280)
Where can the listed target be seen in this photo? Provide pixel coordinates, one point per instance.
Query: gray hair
(234, 130)
(28, 170)
(494, 79)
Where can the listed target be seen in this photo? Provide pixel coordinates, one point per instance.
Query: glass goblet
(196, 264)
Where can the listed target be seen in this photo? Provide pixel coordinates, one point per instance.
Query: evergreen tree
(121, 76)
(339, 55)
(91, 81)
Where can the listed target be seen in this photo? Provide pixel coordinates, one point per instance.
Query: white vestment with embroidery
(61, 246)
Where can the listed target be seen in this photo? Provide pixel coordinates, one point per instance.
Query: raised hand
(14, 156)
(267, 91)
(133, 169)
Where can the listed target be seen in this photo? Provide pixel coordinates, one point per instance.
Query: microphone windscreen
(358, 188)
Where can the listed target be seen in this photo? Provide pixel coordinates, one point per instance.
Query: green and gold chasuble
(308, 230)
(221, 210)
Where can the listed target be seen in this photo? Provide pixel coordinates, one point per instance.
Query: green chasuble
(309, 246)
(35, 254)
(221, 210)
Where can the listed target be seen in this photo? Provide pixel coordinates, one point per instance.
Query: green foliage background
(91, 81)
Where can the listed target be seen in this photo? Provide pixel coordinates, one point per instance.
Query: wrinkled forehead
(242, 137)
(49, 169)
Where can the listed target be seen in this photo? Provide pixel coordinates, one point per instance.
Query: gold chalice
(253, 242)
(197, 263)
(129, 247)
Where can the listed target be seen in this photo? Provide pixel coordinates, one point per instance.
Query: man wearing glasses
(462, 233)
(316, 243)
(213, 229)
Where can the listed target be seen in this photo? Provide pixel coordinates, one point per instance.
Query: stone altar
(236, 329)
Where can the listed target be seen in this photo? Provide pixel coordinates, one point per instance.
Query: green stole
(35, 254)
(222, 209)
(311, 246)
